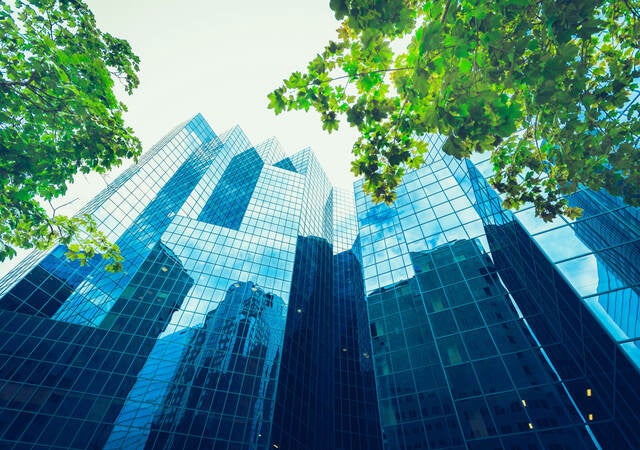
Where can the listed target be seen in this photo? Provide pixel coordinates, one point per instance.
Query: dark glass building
(261, 308)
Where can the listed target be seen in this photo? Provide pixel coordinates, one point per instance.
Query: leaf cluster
(548, 88)
(58, 116)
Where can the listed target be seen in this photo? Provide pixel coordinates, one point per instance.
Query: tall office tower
(220, 388)
(261, 308)
(497, 330)
(231, 305)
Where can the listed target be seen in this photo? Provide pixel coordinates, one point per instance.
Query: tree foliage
(58, 116)
(548, 87)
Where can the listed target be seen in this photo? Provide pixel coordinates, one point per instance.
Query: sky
(221, 59)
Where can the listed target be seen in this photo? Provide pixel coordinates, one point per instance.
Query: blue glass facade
(497, 330)
(226, 326)
(259, 307)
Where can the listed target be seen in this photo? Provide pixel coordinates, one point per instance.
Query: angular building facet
(259, 307)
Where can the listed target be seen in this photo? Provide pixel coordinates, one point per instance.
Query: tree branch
(19, 83)
(358, 75)
(446, 11)
(55, 209)
(632, 10)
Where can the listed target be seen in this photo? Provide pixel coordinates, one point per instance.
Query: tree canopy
(59, 116)
(549, 88)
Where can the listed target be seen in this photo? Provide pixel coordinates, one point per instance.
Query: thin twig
(55, 209)
(364, 73)
(19, 83)
(632, 9)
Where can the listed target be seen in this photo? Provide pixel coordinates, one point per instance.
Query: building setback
(259, 307)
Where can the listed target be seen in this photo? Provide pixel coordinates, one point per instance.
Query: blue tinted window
(231, 196)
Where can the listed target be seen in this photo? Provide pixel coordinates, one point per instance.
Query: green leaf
(276, 101)
(431, 37)
(540, 87)
(59, 115)
(296, 80)
(465, 65)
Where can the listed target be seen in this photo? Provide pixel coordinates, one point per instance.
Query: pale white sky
(220, 58)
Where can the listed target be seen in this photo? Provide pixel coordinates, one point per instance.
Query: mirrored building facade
(259, 307)
(225, 329)
(496, 330)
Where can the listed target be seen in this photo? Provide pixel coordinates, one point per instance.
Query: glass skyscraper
(259, 307)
